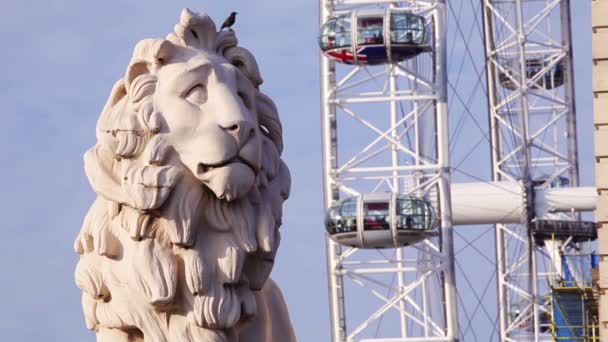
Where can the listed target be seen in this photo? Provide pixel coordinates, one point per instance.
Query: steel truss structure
(533, 138)
(388, 125)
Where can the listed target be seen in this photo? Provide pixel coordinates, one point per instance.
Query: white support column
(531, 100)
(397, 185)
(443, 155)
(330, 160)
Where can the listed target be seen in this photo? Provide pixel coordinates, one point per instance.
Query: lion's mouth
(230, 179)
(203, 168)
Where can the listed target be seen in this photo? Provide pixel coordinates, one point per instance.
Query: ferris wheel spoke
(463, 103)
(466, 43)
(472, 246)
(479, 298)
(468, 319)
(453, 33)
(469, 242)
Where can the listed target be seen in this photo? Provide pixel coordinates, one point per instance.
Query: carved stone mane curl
(162, 258)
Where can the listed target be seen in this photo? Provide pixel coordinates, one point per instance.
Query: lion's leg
(116, 335)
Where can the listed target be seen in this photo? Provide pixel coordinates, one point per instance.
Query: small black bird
(229, 21)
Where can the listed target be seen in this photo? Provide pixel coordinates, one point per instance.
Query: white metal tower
(533, 135)
(385, 129)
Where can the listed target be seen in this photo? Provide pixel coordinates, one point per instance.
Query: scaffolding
(572, 305)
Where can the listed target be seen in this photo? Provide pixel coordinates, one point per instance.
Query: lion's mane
(160, 255)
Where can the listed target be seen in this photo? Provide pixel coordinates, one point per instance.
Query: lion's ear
(149, 55)
(136, 69)
(243, 59)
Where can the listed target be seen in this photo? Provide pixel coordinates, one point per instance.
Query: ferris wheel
(431, 237)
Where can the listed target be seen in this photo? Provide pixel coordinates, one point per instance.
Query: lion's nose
(241, 130)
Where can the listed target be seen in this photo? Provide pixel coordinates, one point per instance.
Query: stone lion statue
(180, 242)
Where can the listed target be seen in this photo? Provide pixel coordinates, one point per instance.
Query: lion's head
(190, 188)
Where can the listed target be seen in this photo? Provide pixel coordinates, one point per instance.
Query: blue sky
(59, 60)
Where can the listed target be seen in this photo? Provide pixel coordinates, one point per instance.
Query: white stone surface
(179, 243)
(599, 11)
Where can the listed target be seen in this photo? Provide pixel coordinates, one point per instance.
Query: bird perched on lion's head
(190, 182)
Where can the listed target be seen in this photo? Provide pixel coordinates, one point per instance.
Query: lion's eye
(265, 130)
(245, 99)
(196, 95)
